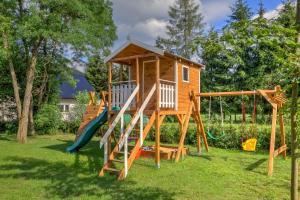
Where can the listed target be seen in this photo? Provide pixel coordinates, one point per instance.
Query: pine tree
(287, 15)
(240, 11)
(185, 25)
(261, 9)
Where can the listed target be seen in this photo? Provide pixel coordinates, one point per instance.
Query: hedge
(230, 140)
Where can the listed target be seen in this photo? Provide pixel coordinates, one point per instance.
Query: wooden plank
(272, 141)
(157, 125)
(134, 57)
(266, 96)
(282, 132)
(138, 100)
(234, 93)
(280, 150)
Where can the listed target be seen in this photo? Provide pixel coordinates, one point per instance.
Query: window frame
(188, 73)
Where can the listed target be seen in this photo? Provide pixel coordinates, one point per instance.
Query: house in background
(68, 93)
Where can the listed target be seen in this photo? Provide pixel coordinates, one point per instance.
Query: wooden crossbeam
(233, 93)
(133, 57)
(279, 150)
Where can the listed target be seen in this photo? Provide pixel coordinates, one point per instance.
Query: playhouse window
(185, 73)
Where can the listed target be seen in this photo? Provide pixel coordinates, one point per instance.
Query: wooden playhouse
(160, 84)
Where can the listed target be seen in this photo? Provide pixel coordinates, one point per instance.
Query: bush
(48, 119)
(230, 140)
(9, 127)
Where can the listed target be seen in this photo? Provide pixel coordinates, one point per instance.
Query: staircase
(92, 111)
(124, 153)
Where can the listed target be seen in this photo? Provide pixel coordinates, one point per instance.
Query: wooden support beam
(183, 134)
(280, 150)
(109, 102)
(172, 112)
(272, 141)
(138, 99)
(134, 57)
(233, 93)
(157, 120)
(282, 132)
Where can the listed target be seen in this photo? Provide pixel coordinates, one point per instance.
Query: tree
(240, 11)
(261, 9)
(287, 14)
(83, 27)
(294, 110)
(185, 25)
(96, 73)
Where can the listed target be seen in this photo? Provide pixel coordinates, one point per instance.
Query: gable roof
(151, 49)
(69, 92)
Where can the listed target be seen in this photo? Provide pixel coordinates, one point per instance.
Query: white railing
(119, 116)
(139, 115)
(121, 92)
(167, 94)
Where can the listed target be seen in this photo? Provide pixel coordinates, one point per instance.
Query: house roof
(151, 49)
(69, 92)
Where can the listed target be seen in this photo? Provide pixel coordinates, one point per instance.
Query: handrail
(118, 117)
(137, 116)
(119, 82)
(167, 81)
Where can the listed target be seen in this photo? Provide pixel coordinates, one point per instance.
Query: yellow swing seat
(250, 144)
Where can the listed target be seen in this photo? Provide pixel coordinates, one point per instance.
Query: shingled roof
(69, 92)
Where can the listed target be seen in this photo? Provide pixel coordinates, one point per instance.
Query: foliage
(230, 140)
(76, 113)
(185, 25)
(39, 34)
(240, 11)
(48, 119)
(96, 74)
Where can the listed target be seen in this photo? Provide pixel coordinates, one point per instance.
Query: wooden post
(137, 82)
(157, 125)
(109, 104)
(272, 140)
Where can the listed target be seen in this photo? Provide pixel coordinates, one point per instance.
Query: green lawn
(41, 170)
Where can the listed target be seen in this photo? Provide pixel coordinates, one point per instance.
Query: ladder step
(133, 138)
(112, 170)
(121, 152)
(131, 145)
(116, 160)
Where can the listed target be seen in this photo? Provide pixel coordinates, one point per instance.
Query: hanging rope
(253, 128)
(209, 115)
(222, 117)
(243, 119)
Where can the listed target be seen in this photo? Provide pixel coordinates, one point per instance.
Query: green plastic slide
(88, 132)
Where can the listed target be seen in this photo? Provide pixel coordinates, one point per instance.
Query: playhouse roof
(139, 46)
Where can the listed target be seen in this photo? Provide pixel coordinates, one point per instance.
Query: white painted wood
(136, 118)
(167, 95)
(105, 152)
(141, 127)
(118, 117)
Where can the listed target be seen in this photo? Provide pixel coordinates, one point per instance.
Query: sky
(145, 20)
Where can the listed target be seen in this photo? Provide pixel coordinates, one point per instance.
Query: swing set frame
(276, 99)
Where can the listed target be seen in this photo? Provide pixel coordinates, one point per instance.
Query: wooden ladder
(117, 155)
(92, 111)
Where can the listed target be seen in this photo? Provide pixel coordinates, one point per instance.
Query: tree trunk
(294, 135)
(23, 121)
(31, 121)
(13, 75)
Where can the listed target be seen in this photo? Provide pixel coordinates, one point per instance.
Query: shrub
(230, 140)
(10, 127)
(48, 119)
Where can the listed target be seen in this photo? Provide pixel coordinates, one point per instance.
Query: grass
(42, 170)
